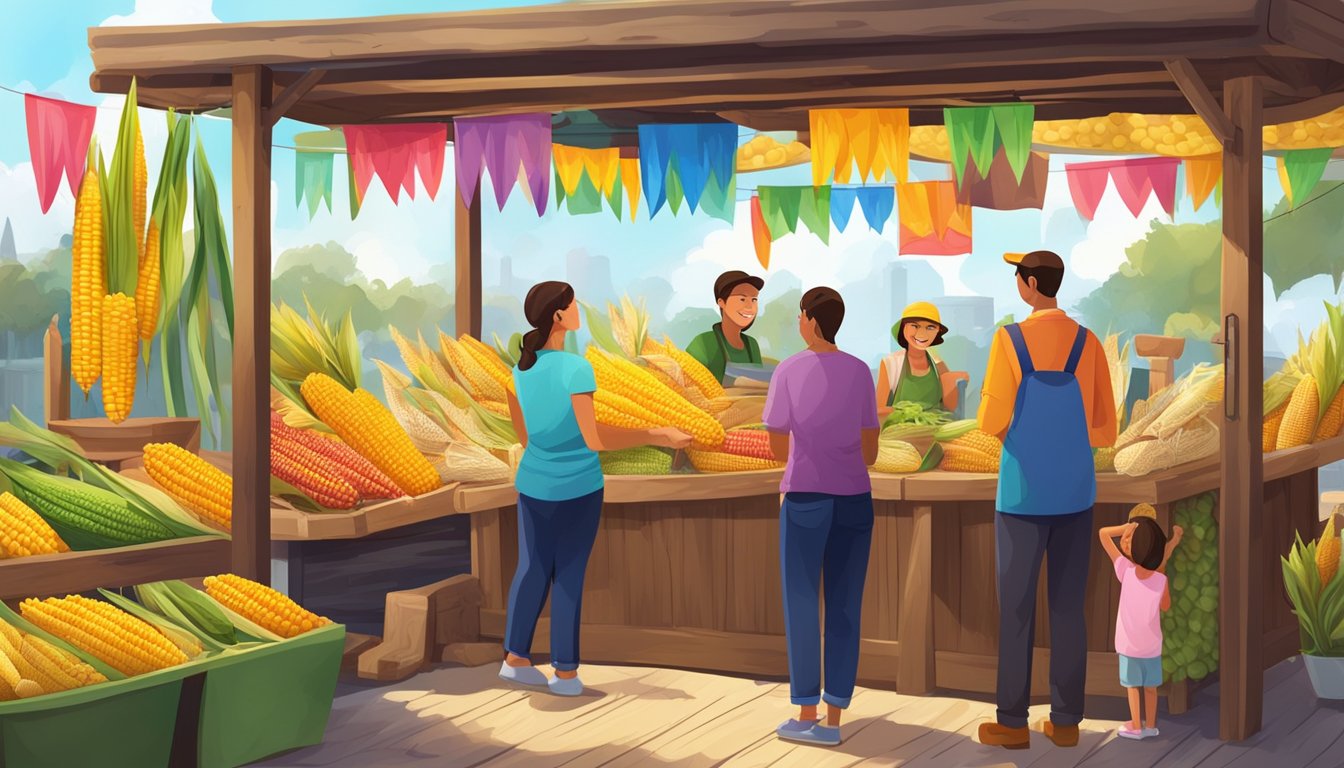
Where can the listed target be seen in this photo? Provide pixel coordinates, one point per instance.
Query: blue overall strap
(1020, 344)
(1076, 353)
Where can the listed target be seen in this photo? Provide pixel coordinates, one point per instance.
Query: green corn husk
(643, 460)
(954, 429)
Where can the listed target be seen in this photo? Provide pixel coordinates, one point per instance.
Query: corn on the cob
(359, 472)
(963, 458)
(23, 532)
(427, 436)
(475, 376)
(307, 472)
(1299, 421)
(88, 284)
(147, 284)
(262, 605)
(1327, 553)
(140, 186)
(121, 344)
(464, 461)
(630, 381)
(753, 443)
(615, 411)
(27, 689)
(124, 642)
(695, 370)
(60, 678)
(497, 408)
(488, 357)
(981, 441)
(68, 663)
(70, 505)
(191, 481)
(13, 650)
(1104, 459)
(9, 677)
(643, 460)
(488, 363)
(718, 461)
(1269, 435)
(367, 426)
(1333, 419)
(897, 457)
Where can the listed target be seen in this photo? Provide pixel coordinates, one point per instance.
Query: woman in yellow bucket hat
(911, 373)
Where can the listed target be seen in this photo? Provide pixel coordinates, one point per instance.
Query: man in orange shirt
(1047, 396)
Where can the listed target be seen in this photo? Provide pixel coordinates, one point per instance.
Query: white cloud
(151, 12)
(1111, 231)
(34, 232)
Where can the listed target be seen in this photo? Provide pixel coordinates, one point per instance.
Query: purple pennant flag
(502, 144)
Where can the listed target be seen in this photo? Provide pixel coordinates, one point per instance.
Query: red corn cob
(752, 443)
(359, 472)
(331, 492)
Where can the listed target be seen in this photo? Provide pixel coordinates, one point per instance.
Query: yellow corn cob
(367, 426)
(27, 689)
(717, 461)
(433, 361)
(630, 381)
(193, 482)
(982, 442)
(487, 355)
(140, 180)
(484, 386)
(1299, 421)
(1332, 420)
(9, 674)
(499, 409)
(615, 411)
(1269, 435)
(897, 458)
(121, 344)
(410, 356)
(1327, 553)
(147, 285)
(88, 285)
(61, 678)
(23, 532)
(66, 661)
(262, 605)
(10, 633)
(1145, 456)
(26, 670)
(695, 370)
(488, 363)
(122, 641)
(962, 458)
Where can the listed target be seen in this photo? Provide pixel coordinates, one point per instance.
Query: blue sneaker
(566, 686)
(809, 733)
(526, 677)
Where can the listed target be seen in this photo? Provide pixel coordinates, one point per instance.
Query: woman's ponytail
(543, 301)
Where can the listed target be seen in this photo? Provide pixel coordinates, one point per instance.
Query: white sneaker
(526, 677)
(1149, 733)
(566, 686)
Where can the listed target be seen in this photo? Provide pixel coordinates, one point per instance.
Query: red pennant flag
(58, 141)
(395, 152)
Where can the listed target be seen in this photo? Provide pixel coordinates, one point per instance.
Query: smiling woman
(912, 374)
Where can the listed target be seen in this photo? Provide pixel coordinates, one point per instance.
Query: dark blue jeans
(824, 538)
(555, 539)
(1021, 541)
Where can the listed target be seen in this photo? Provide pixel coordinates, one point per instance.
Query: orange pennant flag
(760, 233)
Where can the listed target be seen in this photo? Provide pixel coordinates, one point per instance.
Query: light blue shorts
(1140, 673)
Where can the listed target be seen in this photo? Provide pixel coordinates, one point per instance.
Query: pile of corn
(1190, 628)
(1173, 426)
(764, 152)
(262, 605)
(327, 470)
(742, 450)
(31, 666)
(127, 644)
(1304, 401)
(975, 451)
(23, 532)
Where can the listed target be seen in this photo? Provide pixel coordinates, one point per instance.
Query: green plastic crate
(269, 699)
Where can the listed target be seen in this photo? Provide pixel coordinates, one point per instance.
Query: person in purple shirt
(821, 412)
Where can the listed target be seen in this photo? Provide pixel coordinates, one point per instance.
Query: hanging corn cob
(191, 481)
(88, 282)
(147, 284)
(125, 643)
(262, 605)
(121, 344)
(23, 532)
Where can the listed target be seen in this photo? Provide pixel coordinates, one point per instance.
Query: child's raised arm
(1108, 535)
(1176, 533)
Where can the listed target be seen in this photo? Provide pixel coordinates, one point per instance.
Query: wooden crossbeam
(1206, 106)
(291, 95)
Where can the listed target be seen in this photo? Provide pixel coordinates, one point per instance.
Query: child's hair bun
(1143, 510)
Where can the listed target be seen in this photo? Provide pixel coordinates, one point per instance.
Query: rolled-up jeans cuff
(564, 666)
(805, 701)
(527, 656)
(1013, 721)
(835, 701)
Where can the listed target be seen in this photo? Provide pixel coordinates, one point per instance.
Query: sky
(46, 53)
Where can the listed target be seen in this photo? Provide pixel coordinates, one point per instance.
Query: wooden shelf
(74, 572)
(289, 524)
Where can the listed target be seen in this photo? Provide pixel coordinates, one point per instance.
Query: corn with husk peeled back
(632, 382)
(963, 458)
(642, 460)
(1327, 553)
(122, 641)
(193, 482)
(367, 426)
(897, 457)
(718, 461)
(147, 285)
(488, 363)
(262, 605)
(1299, 420)
(88, 283)
(23, 532)
(16, 670)
(1269, 434)
(121, 344)
(1333, 419)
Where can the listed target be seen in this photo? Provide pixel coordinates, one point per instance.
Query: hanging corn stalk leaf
(173, 270)
(123, 252)
(161, 265)
(211, 261)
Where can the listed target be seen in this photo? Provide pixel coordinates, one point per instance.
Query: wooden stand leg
(416, 621)
(1178, 698)
(915, 666)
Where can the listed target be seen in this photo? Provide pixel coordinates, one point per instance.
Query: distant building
(590, 275)
(7, 250)
(506, 277)
(898, 293)
(970, 317)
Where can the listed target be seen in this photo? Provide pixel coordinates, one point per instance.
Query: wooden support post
(1241, 629)
(252, 326)
(467, 288)
(55, 375)
(915, 666)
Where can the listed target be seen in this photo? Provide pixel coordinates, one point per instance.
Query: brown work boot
(996, 735)
(1062, 735)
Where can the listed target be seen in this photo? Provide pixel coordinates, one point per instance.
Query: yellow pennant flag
(629, 167)
(876, 140)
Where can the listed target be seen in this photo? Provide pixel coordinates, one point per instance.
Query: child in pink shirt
(1144, 595)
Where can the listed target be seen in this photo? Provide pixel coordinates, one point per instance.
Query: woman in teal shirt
(559, 484)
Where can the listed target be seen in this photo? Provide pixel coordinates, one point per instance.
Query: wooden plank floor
(639, 716)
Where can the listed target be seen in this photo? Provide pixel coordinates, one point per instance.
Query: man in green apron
(738, 297)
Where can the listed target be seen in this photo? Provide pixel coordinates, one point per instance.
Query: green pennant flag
(616, 199)
(672, 183)
(1304, 167)
(1013, 125)
(312, 179)
(779, 207)
(587, 198)
(559, 190)
(970, 132)
(717, 202)
(353, 187)
(815, 211)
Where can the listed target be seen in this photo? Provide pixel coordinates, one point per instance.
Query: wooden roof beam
(1206, 106)
(291, 95)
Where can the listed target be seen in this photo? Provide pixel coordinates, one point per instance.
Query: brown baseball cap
(723, 287)
(1048, 259)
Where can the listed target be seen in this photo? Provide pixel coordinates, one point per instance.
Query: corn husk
(465, 462)
(742, 410)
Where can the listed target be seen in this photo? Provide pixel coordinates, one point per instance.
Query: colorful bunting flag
(356, 197)
(1300, 169)
(877, 204)
(395, 152)
(719, 203)
(842, 205)
(1202, 176)
(1001, 190)
(1135, 180)
(630, 180)
(601, 166)
(501, 145)
(933, 223)
(585, 198)
(978, 132)
(678, 161)
(58, 142)
(876, 140)
(760, 233)
(312, 179)
(783, 207)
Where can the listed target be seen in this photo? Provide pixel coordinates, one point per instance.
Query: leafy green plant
(1319, 607)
